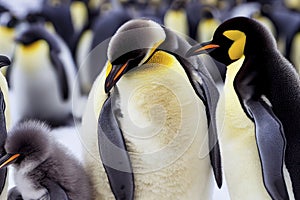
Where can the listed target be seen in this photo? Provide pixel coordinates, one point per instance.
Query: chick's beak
(8, 159)
(114, 73)
(201, 49)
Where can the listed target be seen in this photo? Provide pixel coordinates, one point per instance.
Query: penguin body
(39, 162)
(263, 87)
(43, 76)
(153, 115)
(176, 18)
(5, 123)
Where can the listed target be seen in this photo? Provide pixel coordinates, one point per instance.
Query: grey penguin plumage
(43, 165)
(43, 75)
(265, 88)
(105, 116)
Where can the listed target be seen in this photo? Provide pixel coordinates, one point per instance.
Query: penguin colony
(170, 99)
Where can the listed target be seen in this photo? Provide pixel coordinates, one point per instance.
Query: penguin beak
(114, 73)
(4, 61)
(8, 159)
(201, 49)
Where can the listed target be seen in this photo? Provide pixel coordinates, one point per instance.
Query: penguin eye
(135, 57)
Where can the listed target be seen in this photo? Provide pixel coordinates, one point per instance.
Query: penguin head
(34, 37)
(235, 38)
(130, 47)
(27, 144)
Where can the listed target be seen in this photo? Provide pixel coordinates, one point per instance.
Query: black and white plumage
(262, 111)
(146, 61)
(5, 122)
(43, 167)
(43, 75)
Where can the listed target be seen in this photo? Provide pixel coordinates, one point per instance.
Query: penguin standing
(43, 77)
(43, 167)
(260, 136)
(145, 127)
(176, 18)
(4, 125)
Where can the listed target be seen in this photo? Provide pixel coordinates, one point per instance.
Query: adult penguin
(4, 125)
(43, 77)
(176, 17)
(147, 116)
(262, 107)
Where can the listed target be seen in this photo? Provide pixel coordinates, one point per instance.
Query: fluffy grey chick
(43, 168)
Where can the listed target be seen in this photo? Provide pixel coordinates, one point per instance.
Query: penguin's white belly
(27, 188)
(240, 155)
(165, 128)
(37, 92)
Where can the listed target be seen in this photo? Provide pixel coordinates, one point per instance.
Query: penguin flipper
(208, 93)
(61, 75)
(3, 136)
(14, 194)
(55, 191)
(271, 147)
(114, 155)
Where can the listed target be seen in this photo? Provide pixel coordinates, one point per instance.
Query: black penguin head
(130, 47)
(31, 35)
(236, 37)
(27, 143)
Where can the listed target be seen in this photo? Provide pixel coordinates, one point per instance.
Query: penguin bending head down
(262, 111)
(147, 117)
(43, 168)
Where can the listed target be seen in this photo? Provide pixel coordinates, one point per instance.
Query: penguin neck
(32, 58)
(155, 99)
(232, 105)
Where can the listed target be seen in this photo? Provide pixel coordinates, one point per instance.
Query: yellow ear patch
(108, 68)
(236, 50)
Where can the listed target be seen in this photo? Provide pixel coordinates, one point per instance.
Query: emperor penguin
(149, 125)
(176, 17)
(260, 135)
(5, 123)
(8, 24)
(43, 167)
(43, 77)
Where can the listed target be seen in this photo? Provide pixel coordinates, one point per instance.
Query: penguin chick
(42, 164)
(262, 111)
(43, 75)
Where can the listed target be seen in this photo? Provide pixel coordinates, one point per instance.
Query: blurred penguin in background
(293, 52)
(43, 77)
(176, 17)
(99, 33)
(44, 169)
(5, 124)
(8, 24)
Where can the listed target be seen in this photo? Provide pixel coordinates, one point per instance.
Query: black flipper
(271, 147)
(14, 194)
(208, 93)
(3, 135)
(61, 75)
(114, 155)
(55, 191)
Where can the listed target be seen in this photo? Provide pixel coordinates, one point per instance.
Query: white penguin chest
(35, 81)
(165, 128)
(27, 187)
